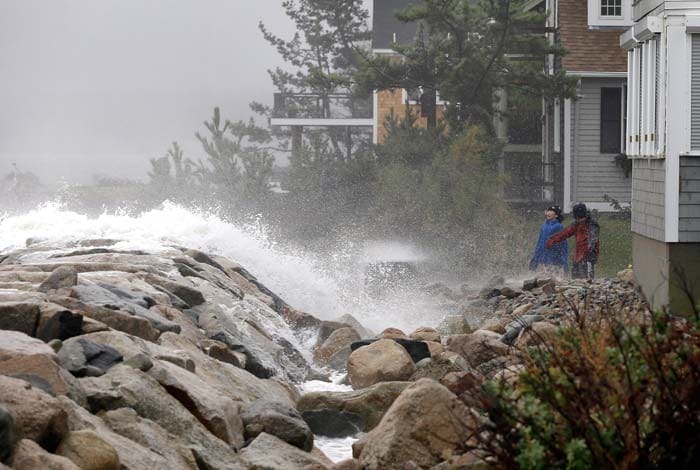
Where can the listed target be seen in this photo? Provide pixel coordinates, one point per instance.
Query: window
(610, 8)
(610, 120)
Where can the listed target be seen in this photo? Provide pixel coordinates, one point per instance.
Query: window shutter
(695, 94)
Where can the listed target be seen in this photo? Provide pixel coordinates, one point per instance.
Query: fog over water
(100, 86)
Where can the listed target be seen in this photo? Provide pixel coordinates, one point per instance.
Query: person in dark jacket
(551, 261)
(587, 231)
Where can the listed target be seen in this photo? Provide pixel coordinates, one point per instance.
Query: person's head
(554, 212)
(580, 211)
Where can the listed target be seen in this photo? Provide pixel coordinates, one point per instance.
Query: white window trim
(557, 125)
(595, 19)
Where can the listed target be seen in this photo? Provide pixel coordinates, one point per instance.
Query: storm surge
(326, 286)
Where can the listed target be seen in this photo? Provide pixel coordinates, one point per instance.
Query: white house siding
(595, 174)
(689, 211)
(648, 183)
(643, 7)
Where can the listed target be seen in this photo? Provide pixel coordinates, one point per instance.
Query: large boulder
(217, 412)
(538, 332)
(140, 443)
(57, 322)
(454, 325)
(341, 414)
(359, 327)
(462, 383)
(187, 293)
(223, 353)
(476, 349)
(124, 386)
(232, 322)
(29, 455)
(418, 350)
(335, 350)
(61, 277)
(19, 316)
(425, 423)
(438, 366)
(43, 371)
(278, 419)
(117, 319)
(38, 416)
(127, 423)
(88, 451)
(268, 452)
(392, 333)
(381, 361)
(232, 381)
(425, 334)
(114, 298)
(326, 328)
(15, 343)
(7, 432)
(82, 357)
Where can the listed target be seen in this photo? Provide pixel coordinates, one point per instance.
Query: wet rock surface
(136, 360)
(381, 361)
(122, 358)
(340, 414)
(424, 423)
(278, 419)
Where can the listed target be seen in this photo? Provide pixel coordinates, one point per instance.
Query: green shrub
(617, 390)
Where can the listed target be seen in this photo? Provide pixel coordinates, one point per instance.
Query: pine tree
(323, 58)
(239, 162)
(465, 51)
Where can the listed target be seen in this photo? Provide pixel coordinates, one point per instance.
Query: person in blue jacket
(551, 261)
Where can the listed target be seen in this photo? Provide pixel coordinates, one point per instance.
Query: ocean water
(325, 286)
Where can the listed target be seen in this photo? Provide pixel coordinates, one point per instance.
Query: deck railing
(320, 106)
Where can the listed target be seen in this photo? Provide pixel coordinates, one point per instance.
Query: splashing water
(326, 288)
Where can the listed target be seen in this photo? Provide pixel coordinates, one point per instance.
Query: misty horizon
(99, 88)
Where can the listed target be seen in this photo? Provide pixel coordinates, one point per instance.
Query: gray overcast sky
(100, 86)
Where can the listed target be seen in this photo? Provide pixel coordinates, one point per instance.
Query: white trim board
(590, 74)
(375, 120)
(567, 155)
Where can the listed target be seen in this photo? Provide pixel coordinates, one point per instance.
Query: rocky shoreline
(180, 359)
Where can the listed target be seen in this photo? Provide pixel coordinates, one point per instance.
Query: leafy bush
(613, 390)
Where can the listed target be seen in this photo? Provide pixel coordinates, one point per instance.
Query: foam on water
(336, 448)
(326, 288)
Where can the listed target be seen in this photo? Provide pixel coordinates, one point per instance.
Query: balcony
(316, 110)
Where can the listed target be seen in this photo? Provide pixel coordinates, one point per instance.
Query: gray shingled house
(663, 141)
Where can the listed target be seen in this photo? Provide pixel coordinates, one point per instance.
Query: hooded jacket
(587, 239)
(557, 255)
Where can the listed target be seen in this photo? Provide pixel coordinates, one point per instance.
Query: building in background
(663, 142)
(521, 134)
(563, 152)
(583, 153)
(387, 31)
